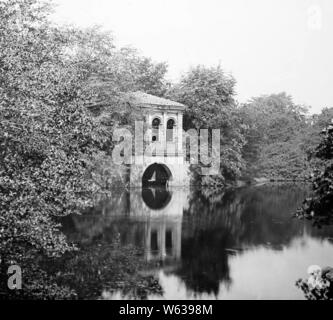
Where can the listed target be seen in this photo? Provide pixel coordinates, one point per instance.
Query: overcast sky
(268, 45)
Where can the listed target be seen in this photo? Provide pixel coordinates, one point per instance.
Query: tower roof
(148, 100)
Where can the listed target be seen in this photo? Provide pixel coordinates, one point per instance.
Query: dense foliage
(47, 137)
(319, 284)
(319, 207)
(275, 129)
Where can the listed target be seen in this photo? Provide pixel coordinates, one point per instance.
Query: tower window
(170, 128)
(155, 125)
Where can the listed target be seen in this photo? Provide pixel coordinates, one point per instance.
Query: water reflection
(156, 198)
(237, 244)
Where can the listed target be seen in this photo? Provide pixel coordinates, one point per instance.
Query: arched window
(155, 125)
(170, 129)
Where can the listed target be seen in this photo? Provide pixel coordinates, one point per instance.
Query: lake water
(201, 244)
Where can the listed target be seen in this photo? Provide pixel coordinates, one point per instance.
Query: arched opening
(155, 126)
(156, 175)
(170, 128)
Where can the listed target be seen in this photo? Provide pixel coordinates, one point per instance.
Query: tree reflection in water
(193, 234)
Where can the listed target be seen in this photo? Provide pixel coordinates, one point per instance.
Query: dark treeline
(61, 96)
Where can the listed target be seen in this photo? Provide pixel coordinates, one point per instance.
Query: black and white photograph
(156, 150)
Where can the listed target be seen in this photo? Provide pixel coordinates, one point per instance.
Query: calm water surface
(238, 244)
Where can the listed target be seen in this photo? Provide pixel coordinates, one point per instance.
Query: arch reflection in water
(162, 210)
(156, 198)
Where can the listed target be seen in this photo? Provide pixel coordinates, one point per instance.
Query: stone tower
(164, 131)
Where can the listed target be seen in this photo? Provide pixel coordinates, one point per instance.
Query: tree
(274, 127)
(312, 137)
(319, 207)
(47, 136)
